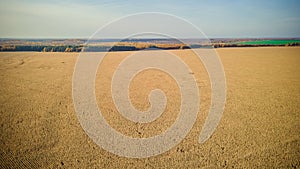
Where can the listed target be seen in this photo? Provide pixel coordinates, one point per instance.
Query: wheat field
(260, 126)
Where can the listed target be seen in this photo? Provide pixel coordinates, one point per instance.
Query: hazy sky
(216, 18)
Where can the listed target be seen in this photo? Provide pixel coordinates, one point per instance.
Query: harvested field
(259, 128)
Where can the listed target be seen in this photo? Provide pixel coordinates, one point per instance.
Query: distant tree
(45, 49)
(68, 49)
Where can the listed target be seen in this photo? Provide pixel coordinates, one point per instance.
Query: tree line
(79, 48)
(86, 48)
(35, 48)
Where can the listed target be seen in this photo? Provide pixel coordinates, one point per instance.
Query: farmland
(259, 127)
(101, 45)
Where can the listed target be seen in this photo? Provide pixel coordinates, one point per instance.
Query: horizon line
(82, 38)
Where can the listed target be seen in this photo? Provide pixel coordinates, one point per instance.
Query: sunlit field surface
(260, 126)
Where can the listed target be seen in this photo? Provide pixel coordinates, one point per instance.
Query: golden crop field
(260, 126)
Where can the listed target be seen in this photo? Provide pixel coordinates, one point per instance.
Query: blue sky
(216, 18)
